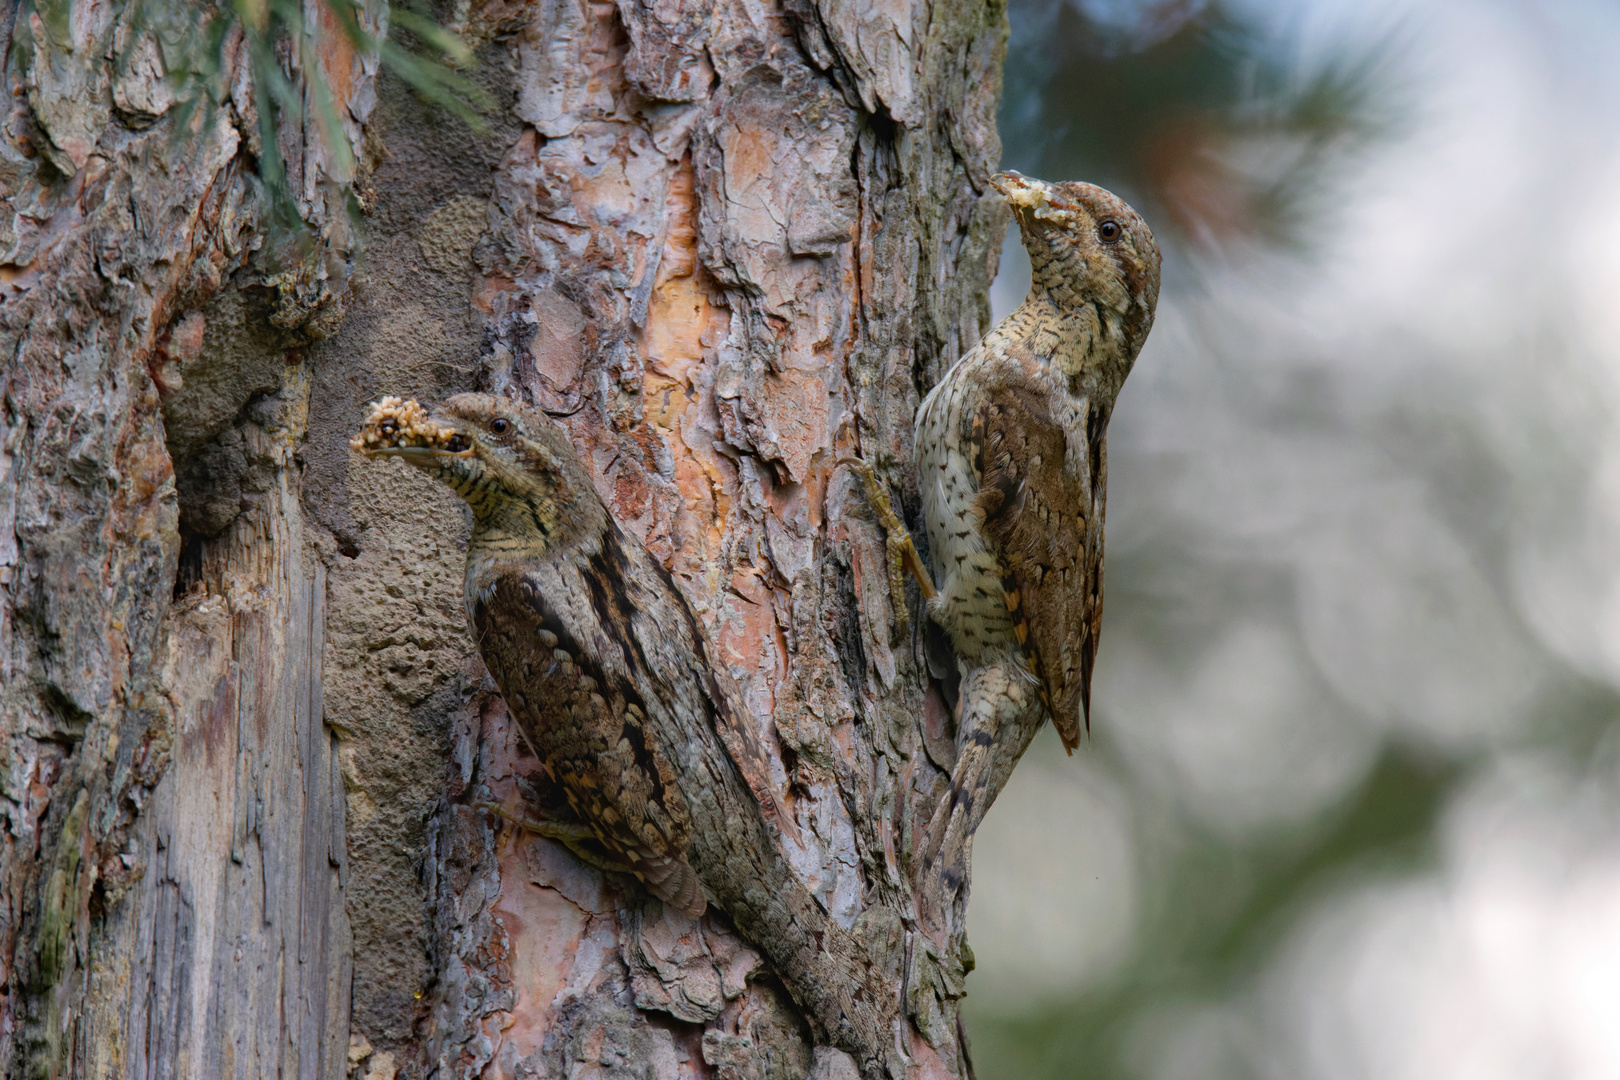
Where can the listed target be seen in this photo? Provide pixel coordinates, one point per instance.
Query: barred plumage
(1011, 454)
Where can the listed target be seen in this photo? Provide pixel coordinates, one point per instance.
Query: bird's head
(1086, 246)
(527, 488)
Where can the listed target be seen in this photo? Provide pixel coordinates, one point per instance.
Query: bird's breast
(972, 606)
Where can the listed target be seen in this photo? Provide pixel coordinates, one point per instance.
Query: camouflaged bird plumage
(614, 683)
(1012, 458)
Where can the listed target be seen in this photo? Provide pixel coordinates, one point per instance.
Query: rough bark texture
(250, 753)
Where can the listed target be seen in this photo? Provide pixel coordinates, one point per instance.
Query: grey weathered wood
(237, 939)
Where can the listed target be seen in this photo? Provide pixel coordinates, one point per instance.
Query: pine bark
(261, 798)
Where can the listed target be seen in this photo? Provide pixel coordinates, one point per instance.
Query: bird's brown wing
(1045, 524)
(589, 728)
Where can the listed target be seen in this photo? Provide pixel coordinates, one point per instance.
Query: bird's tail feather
(673, 881)
(1001, 711)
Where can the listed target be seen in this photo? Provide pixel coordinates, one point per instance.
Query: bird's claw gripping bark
(902, 552)
(574, 837)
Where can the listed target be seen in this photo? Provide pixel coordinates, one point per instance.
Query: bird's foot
(902, 551)
(573, 836)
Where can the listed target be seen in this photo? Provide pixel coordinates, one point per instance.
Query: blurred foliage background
(1349, 808)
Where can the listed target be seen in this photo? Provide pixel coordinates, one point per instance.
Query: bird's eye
(1109, 232)
(499, 426)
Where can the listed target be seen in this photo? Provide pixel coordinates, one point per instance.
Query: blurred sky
(1351, 808)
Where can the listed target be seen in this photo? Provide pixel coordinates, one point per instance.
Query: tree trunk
(262, 801)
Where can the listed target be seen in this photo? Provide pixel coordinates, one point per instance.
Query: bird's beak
(1021, 191)
(1004, 182)
(403, 429)
(454, 443)
(415, 455)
